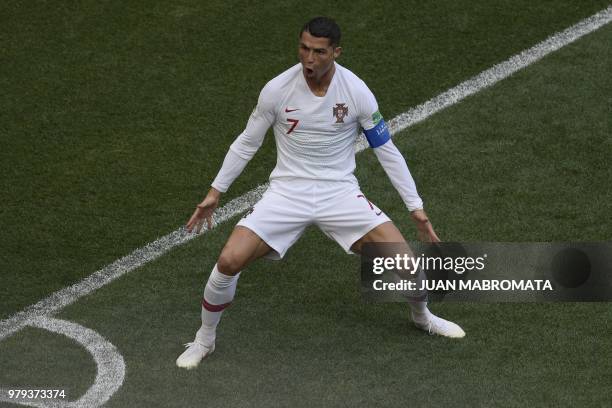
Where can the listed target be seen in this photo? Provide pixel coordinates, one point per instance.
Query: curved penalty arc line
(110, 366)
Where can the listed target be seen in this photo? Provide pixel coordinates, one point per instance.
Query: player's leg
(269, 229)
(385, 232)
(242, 248)
(421, 316)
(388, 233)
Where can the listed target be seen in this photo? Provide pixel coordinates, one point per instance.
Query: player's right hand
(204, 212)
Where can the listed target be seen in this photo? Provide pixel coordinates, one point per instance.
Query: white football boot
(436, 325)
(195, 353)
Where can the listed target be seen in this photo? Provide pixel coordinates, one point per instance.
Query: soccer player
(316, 109)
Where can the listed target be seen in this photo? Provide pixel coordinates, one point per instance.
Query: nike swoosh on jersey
(290, 110)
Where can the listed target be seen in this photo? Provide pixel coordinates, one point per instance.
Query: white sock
(218, 294)
(418, 301)
(420, 312)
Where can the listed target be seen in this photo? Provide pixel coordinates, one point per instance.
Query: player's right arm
(240, 153)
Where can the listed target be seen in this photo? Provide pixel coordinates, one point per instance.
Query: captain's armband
(379, 134)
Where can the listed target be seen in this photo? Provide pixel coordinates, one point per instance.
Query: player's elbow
(245, 147)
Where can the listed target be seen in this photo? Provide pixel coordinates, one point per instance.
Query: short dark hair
(323, 27)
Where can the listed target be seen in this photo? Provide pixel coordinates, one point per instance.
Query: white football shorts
(339, 209)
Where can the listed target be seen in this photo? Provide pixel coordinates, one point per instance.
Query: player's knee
(228, 263)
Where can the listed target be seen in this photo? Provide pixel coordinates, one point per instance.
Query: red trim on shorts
(214, 308)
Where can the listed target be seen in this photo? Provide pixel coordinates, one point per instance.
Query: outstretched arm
(393, 162)
(396, 168)
(240, 153)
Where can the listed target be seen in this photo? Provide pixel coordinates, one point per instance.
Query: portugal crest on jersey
(340, 111)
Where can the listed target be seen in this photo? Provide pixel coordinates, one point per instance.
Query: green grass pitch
(115, 116)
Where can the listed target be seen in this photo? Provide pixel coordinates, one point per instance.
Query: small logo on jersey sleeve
(340, 111)
(376, 117)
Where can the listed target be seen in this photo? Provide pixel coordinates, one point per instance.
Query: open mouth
(309, 72)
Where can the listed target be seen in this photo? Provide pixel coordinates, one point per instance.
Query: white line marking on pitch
(110, 367)
(32, 314)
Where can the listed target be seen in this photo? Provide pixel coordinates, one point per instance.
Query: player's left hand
(425, 231)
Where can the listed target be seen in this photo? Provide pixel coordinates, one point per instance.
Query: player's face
(316, 55)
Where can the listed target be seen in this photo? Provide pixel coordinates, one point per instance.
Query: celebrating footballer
(316, 108)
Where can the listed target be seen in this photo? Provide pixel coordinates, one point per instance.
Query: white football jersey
(315, 135)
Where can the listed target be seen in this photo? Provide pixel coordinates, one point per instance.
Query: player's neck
(320, 86)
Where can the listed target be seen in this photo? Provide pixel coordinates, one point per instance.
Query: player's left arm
(377, 133)
(397, 170)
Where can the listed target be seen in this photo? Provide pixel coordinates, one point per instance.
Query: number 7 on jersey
(295, 123)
